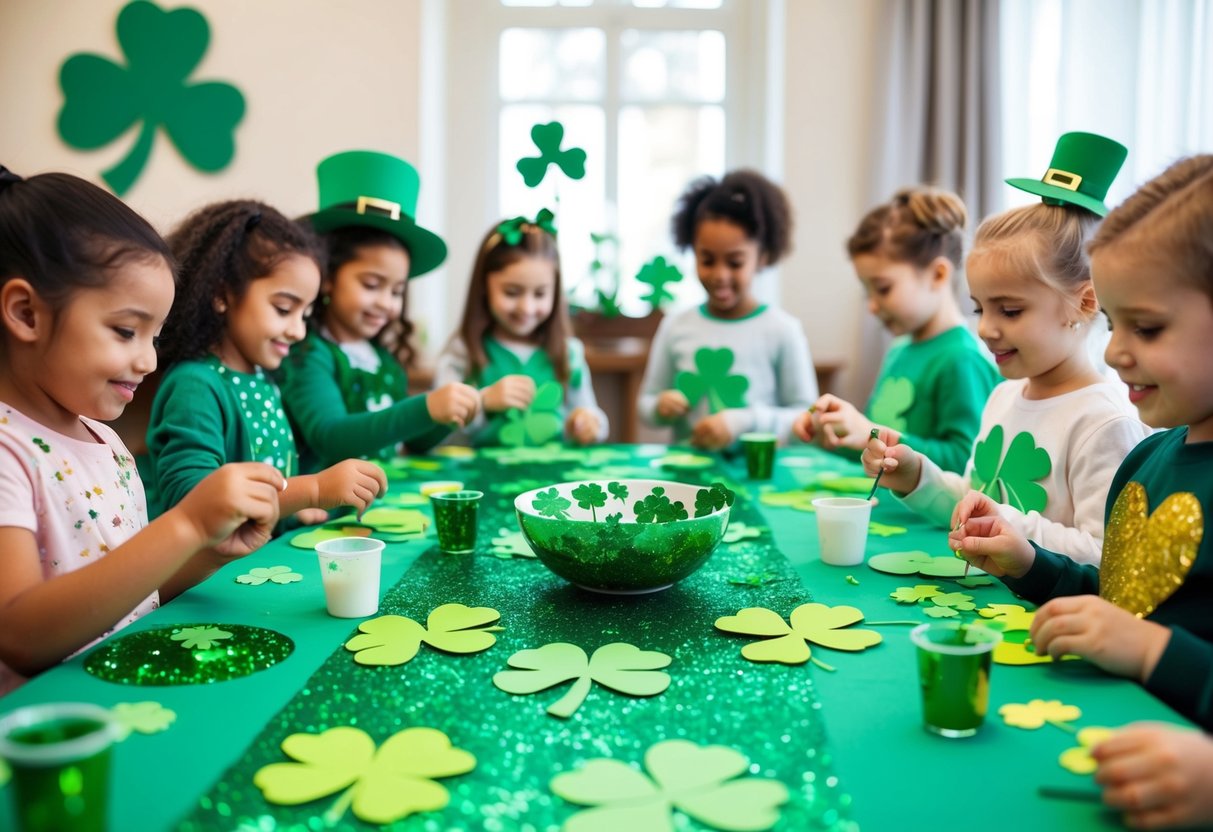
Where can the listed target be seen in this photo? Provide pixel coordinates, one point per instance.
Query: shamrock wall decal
(540, 422)
(810, 623)
(656, 274)
(547, 138)
(619, 666)
(452, 628)
(712, 380)
(1012, 479)
(103, 99)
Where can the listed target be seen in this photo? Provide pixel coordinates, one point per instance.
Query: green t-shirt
(504, 362)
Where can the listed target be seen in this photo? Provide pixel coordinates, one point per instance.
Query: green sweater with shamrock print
(932, 392)
(351, 402)
(206, 415)
(511, 359)
(1177, 479)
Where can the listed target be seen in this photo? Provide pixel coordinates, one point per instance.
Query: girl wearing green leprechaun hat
(345, 387)
(1053, 434)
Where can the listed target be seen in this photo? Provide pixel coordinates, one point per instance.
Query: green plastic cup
(455, 516)
(954, 672)
(759, 455)
(59, 754)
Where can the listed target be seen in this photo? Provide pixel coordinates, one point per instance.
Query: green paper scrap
(538, 424)
(510, 544)
(712, 380)
(200, 638)
(392, 520)
(810, 623)
(1013, 479)
(914, 594)
(1038, 713)
(330, 531)
(684, 460)
(922, 563)
(272, 574)
(1007, 616)
(835, 483)
(852, 580)
(797, 499)
(619, 666)
(656, 274)
(143, 717)
(1079, 760)
(738, 531)
(707, 783)
(381, 785)
(103, 99)
(974, 581)
(891, 402)
(452, 628)
(547, 138)
(883, 530)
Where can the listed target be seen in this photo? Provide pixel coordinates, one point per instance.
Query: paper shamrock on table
(144, 717)
(884, 530)
(810, 624)
(510, 544)
(619, 666)
(798, 499)
(381, 785)
(656, 274)
(1012, 479)
(891, 402)
(738, 531)
(201, 638)
(547, 138)
(909, 563)
(914, 594)
(1016, 647)
(309, 538)
(539, 423)
(1038, 713)
(1079, 759)
(708, 783)
(452, 628)
(684, 460)
(104, 99)
(712, 379)
(273, 574)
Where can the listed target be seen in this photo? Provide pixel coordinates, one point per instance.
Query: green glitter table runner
(768, 712)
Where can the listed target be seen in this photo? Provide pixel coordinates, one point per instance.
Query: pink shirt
(80, 499)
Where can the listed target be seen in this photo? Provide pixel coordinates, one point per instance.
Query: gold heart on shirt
(1147, 556)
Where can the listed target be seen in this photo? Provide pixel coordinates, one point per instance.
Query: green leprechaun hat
(376, 190)
(1082, 170)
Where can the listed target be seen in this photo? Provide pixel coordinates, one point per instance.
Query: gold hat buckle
(384, 206)
(1062, 179)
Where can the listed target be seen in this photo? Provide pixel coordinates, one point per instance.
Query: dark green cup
(759, 455)
(954, 673)
(455, 517)
(59, 754)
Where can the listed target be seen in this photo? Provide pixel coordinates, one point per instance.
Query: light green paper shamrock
(658, 508)
(1038, 713)
(909, 563)
(708, 783)
(275, 574)
(201, 638)
(914, 594)
(382, 784)
(144, 717)
(810, 624)
(452, 628)
(619, 666)
(329, 531)
(711, 379)
(1014, 478)
(1078, 759)
(538, 424)
(656, 274)
(510, 544)
(891, 402)
(547, 138)
(738, 531)
(103, 99)
(954, 600)
(941, 612)
(885, 530)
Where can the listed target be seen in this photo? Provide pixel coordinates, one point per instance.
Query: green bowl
(624, 537)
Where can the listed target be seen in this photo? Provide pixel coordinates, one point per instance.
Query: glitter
(154, 658)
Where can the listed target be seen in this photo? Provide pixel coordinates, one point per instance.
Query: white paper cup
(349, 570)
(842, 529)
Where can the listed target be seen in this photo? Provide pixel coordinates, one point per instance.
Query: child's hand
(512, 391)
(235, 508)
(803, 427)
(982, 537)
(672, 404)
(1160, 775)
(582, 426)
(311, 516)
(712, 433)
(839, 424)
(453, 403)
(1100, 632)
(902, 464)
(352, 482)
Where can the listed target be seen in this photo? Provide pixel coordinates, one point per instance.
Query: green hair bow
(511, 231)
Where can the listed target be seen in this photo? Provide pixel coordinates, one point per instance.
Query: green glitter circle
(152, 658)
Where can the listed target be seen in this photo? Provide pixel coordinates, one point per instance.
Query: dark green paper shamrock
(657, 508)
(547, 138)
(540, 423)
(590, 495)
(713, 380)
(1014, 478)
(708, 500)
(550, 504)
(511, 231)
(656, 274)
(102, 99)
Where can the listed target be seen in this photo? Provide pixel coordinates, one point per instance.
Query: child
(1160, 775)
(345, 387)
(1153, 269)
(1053, 434)
(248, 277)
(515, 335)
(733, 365)
(85, 285)
(935, 378)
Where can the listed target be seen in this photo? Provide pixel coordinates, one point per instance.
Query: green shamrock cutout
(885, 530)
(891, 402)
(910, 563)
(954, 600)
(619, 666)
(382, 785)
(1012, 479)
(540, 422)
(708, 500)
(708, 783)
(202, 638)
(941, 612)
(590, 495)
(550, 504)
(914, 594)
(712, 380)
(452, 628)
(657, 508)
(1038, 713)
(810, 623)
(547, 138)
(275, 574)
(657, 274)
(308, 538)
(103, 99)
(511, 231)
(510, 544)
(738, 531)
(144, 717)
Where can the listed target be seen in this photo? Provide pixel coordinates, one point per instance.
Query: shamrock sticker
(549, 503)
(201, 638)
(810, 624)
(1038, 713)
(709, 500)
(590, 496)
(619, 666)
(540, 422)
(274, 574)
(658, 508)
(144, 717)
(452, 628)
(708, 783)
(711, 379)
(1079, 759)
(547, 138)
(103, 99)
(656, 274)
(382, 785)
(891, 401)
(1012, 479)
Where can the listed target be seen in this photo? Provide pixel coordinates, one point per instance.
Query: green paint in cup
(759, 455)
(59, 754)
(954, 673)
(455, 516)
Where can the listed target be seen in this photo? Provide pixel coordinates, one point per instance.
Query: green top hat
(1080, 173)
(375, 190)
